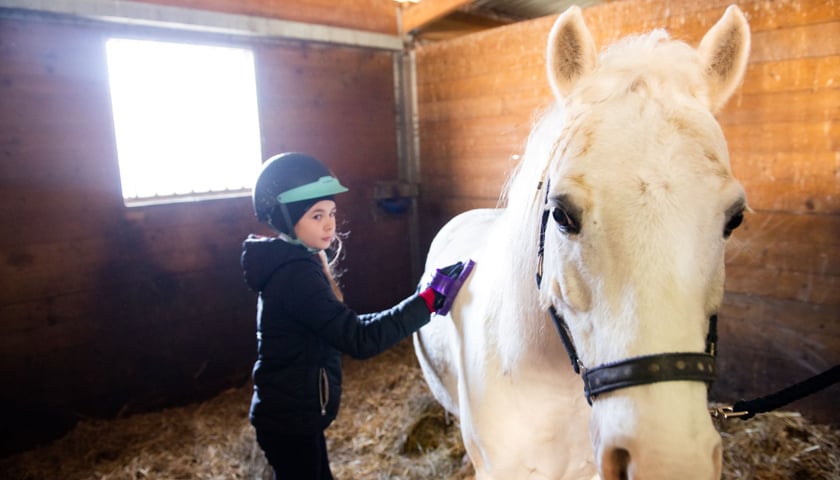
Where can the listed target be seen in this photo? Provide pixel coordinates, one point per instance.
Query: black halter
(646, 369)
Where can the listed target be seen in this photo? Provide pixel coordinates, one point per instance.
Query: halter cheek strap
(641, 370)
(543, 224)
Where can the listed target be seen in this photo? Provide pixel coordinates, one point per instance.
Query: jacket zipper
(323, 390)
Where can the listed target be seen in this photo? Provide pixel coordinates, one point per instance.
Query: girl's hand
(445, 285)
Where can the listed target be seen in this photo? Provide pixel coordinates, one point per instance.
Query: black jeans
(296, 457)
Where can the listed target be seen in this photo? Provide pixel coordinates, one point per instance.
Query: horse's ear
(571, 52)
(723, 53)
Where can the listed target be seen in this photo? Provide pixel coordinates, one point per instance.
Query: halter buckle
(726, 411)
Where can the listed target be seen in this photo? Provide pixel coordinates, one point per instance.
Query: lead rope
(748, 409)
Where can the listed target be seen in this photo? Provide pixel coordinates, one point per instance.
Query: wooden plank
(689, 21)
(46, 270)
(480, 189)
(503, 105)
(487, 148)
(82, 164)
(294, 60)
(479, 126)
(783, 107)
(456, 24)
(27, 49)
(31, 215)
(514, 47)
(32, 212)
(795, 42)
(770, 244)
(779, 15)
(786, 285)
(473, 166)
(801, 182)
(418, 15)
(372, 15)
(528, 82)
(744, 312)
(799, 106)
(812, 136)
(789, 75)
(65, 319)
(784, 254)
(107, 376)
(823, 230)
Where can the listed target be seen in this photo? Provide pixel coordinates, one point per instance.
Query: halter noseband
(641, 370)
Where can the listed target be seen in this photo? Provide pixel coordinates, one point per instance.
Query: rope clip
(726, 412)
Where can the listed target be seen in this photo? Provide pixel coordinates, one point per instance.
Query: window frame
(195, 194)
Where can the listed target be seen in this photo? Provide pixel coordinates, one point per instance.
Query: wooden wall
(107, 309)
(371, 15)
(781, 319)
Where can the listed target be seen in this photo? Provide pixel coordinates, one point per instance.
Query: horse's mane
(515, 302)
(671, 70)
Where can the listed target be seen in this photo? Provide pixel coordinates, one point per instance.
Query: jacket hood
(262, 256)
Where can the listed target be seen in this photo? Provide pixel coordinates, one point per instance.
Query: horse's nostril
(617, 465)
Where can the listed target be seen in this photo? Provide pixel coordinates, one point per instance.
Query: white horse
(633, 172)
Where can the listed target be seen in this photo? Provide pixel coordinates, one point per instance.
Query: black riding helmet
(288, 185)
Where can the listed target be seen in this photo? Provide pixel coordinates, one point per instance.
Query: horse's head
(641, 200)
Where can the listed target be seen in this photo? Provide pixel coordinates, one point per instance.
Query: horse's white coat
(632, 152)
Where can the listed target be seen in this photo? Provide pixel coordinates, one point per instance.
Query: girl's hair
(330, 267)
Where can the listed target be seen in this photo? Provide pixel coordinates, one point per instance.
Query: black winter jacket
(302, 329)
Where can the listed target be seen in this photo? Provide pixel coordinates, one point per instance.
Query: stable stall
(113, 307)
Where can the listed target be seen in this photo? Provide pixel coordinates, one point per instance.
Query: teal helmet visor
(323, 187)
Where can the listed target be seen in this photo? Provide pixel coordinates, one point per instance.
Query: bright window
(186, 120)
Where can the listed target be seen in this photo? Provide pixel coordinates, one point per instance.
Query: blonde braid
(328, 271)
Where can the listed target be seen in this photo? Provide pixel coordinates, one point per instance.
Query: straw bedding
(389, 428)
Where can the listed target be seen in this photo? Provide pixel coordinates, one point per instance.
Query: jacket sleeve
(313, 304)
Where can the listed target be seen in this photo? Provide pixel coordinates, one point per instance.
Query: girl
(303, 326)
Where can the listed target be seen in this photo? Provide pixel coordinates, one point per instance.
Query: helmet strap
(294, 241)
(290, 237)
(288, 219)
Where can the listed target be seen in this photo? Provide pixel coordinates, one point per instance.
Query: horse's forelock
(665, 67)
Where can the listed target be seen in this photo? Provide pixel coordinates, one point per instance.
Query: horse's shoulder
(477, 215)
(471, 221)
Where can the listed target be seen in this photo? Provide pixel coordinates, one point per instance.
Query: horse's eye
(733, 223)
(565, 222)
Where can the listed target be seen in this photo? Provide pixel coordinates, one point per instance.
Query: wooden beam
(154, 14)
(420, 14)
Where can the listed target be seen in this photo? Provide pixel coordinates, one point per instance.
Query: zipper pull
(324, 391)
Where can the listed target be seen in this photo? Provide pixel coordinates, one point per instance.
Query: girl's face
(316, 228)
